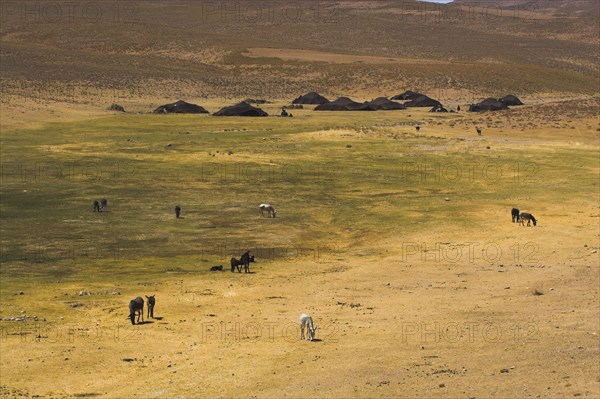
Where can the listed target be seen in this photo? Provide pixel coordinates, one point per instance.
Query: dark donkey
(515, 215)
(527, 216)
(244, 260)
(151, 303)
(136, 306)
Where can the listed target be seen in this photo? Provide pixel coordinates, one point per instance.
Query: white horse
(271, 212)
(306, 323)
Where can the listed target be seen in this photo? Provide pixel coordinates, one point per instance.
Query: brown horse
(136, 306)
(527, 216)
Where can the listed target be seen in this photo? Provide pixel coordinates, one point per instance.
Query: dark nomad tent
(180, 107)
(343, 104)
(241, 109)
(489, 104)
(510, 100)
(311, 98)
(407, 95)
(382, 103)
(423, 101)
(257, 101)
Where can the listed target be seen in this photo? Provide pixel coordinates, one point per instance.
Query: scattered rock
(446, 199)
(504, 371)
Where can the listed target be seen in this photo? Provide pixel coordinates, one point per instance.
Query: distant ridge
(556, 6)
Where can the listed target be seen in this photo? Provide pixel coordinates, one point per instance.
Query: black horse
(177, 211)
(136, 306)
(244, 260)
(151, 303)
(529, 217)
(515, 215)
(96, 206)
(103, 205)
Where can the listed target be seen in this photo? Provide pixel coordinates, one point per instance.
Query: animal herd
(244, 260)
(520, 218)
(307, 327)
(136, 308)
(265, 210)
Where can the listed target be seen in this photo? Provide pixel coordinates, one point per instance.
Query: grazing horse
(529, 217)
(103, 205)
(306, 323)
(417, 128)
(515, 215)
(245, 260)
(136, 306)
(478, 131)
(177, 211)
(271, 212)
(151, 303)
(96, 206)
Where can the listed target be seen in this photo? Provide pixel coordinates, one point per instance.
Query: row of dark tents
(495, 104)
(347, 104)
(380, 103)
(410, 98)
(182, 107)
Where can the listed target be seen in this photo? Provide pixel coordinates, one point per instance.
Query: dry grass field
(397, 241)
